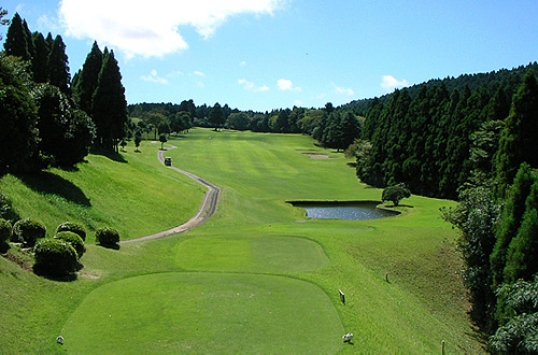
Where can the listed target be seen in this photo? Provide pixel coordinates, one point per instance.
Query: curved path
(207, 209)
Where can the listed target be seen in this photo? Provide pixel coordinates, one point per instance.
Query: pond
(350, 210)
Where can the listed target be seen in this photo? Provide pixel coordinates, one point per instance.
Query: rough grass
(256, 243)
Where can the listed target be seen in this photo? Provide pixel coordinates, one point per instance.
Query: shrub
(395, 194)
(54, 257)
(72, 227)
(29, 231)
(6, 230)
(74, 240)
(107, 236)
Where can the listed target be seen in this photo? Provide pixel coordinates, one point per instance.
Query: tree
(510, 220)
(3, 21)
(18, 118)
(17, 42)
(351, 129)
(162, 139)
(476, 216)
(138, 140)
(395, 194)
(517, 334)
(517, 141)
(216, 116)
(239, 121)
(58, 66)
(521, 261)
(88, 79)
(109, 104)
(40, 58)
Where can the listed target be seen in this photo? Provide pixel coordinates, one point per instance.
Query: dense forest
(469, 138)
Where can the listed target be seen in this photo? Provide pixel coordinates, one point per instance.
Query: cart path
(207, 209)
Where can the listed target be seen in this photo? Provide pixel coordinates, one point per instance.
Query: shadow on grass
(69, 277)
(110, 246)
(109, 154)
(48, 183)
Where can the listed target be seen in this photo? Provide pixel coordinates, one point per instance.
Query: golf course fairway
(256, 277)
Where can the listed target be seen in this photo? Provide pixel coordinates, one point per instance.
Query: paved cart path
(207, 209)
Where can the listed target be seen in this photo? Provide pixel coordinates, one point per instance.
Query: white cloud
(199, 73)
(154, 78)
(137, 27)
(287, 85)
(247, 85)
(243, 63)
(389, 83)
(343, 91)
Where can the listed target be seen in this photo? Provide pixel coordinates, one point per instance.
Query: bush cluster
(74, 240)
(107, 236)
(6, 231)
(72, 227)
(28, 231)
(55, 257)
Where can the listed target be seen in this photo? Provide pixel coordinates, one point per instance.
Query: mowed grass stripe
(204, 313)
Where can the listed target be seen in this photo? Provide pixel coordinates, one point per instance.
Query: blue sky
(269, 54)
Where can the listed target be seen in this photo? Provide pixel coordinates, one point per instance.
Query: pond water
(358, 210)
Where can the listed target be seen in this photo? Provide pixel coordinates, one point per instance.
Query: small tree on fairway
(162, 139)
(54, 257)
(395, 193)
(138, 140)
(107, 236)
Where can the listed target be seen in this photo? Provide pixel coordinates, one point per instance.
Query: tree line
(48, 119)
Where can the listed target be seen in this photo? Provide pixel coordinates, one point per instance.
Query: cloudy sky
(265, 54)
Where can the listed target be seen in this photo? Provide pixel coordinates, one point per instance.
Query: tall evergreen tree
(58, 66)
(87, 79)
(17, 40)
(40, 58)
(521, 261)
(518, 139)
(510, 220)
(109, 104)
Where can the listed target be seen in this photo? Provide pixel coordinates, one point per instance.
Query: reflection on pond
(353, 210)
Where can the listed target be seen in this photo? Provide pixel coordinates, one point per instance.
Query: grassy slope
(419, 307)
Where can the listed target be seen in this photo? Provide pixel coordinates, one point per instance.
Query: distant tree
(138, 140)
(216, 116)
(162, 139)
(58, 66)
(351, 129)
(395, 194)
(18, 42)
(239, 121)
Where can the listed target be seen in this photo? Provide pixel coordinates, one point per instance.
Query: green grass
(210, 290)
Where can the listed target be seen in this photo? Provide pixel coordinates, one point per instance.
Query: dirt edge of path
(207, 209)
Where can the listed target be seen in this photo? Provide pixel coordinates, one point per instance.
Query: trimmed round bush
(72, 227)
(28, 231)
(74, 240)
(6, 230)
(107, 236)
(54, 257)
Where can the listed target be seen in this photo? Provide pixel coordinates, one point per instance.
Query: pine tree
(521, 261)
(517, 143)
(109, 104)
(216, 116)
(40, 58)
(510, 220)
(87, 79)
(58, 66)
(17, 42)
